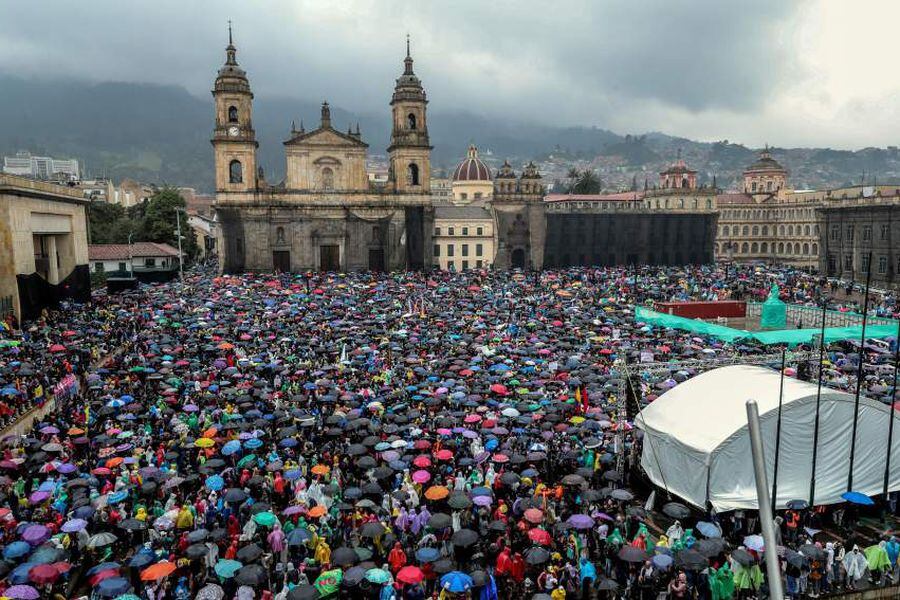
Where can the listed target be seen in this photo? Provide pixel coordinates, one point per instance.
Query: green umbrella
(246, 460)
(227, 568)
(128, 597)
(266, 519)
(379, 576)
(328, 582)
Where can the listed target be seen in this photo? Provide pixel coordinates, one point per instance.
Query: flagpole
(815, 449)
(778, 433)
(859, 371)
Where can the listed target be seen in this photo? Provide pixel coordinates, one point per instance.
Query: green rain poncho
(721, 583)
(877, 557)
(615, 538)
(746, 578)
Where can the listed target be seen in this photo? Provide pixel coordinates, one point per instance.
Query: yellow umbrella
(204, 443)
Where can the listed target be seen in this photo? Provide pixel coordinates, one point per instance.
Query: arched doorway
(518, 258)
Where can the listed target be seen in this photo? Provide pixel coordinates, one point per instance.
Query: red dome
(472, 168)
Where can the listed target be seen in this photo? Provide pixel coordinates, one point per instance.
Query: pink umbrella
(421, 476)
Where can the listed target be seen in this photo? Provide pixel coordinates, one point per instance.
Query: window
(745, 248)
(695, 203)
(780, 247)
(465, 265)
(410, 121)
(864, 263)
(754, 248)
(465, 249)
(235, 174)
(753, 186)
(746, 230)
(849, 233)
(479, 231)
(412, 174)
(149, 262)
(835, 232)
(327, 179)
(815, 248)
(464, 196)
(867, 233)
(450, 231)
(279, 235)
(709, 203)
(376, 233)
(756, 230)
(805, 248)
(848, 262)
(764, 247)
(232, 114)
(768, 186)
(681, 203)
(479, 249)
(437, 231)
(450, 251)
(832, 263)
(479, 264)
(123, 266)
(806, 230)
(478, 195)
(437, 250)
(790, 230)
(885, 230)
(882, 265)
(465, 231)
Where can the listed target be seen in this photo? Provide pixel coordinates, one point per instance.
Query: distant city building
(463, 237)
(25, 164)
(43, 246)
(127, 194)
(206, 227)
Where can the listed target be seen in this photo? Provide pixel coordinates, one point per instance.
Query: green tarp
(791, 337)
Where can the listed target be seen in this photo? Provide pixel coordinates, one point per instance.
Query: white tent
(697, 446)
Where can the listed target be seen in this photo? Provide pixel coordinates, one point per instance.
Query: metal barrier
(811, 316)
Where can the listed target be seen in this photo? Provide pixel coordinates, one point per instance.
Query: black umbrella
(442, 520)
(710, 547)
(252, 575)
(743, 557)
(676, 510)
(443, 567)
(464, 538)
(195, 551)
(133, 525)
(248, 554)
(632, 554)
(607, 585)
(459, 501)
(344, 557)
(372, 530)
(537, 555)
(303, 592)
(235, 495)
(691, 560)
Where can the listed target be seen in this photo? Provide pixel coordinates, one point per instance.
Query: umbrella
(378, 576)
(536, 556)
(464, 538)
(328, 582)
(227, 568)
(857, 498)
(158, 571)
(426, 554)
(708, 529)
(23, 592)
(676, 510)
(210, 591)
(304, 592)
(252, 575)
(99, 540)
(691, 560)
(249, 553)
(410, 574)
(112, 587)
(743, 557)
(579, 521)
(632, 554)
(344, 557)
(755, 543)
(456, 582)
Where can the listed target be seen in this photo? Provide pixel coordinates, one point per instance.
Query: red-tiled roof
(616, 197)
(123, 251)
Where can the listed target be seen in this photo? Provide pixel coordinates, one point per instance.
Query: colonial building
(43, 246)
(677, 191)
(326, 214)
(861, 233)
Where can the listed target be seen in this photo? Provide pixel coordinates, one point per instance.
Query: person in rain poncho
(878, 561)
(323, 552)
(746, 578)
(674, 532)
(721, 582)
(893, 550)
(855, 564)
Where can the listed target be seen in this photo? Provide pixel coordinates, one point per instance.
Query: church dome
(472, 168)
(765, 163)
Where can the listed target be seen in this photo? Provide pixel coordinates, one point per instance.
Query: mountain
(160, 134)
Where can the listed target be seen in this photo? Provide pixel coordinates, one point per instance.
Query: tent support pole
(773, 571)
(815, 448)
(778, 432)
(890, 442)
(859, 371)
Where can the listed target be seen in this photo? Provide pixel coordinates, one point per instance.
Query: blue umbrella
(117, 497)
(662, 561)
(253, 443)
(424, 555)
(19, 575)
(16, 549)
(456, 582)
(292, 474)
(298, 537)
(143, 558)
(105, 566)
(232, 447)
(227, 568)
(710, 530)
(288, 443)
(9, 391)
(857, 498)
(127, 399)
(112, 587)
(215, 483)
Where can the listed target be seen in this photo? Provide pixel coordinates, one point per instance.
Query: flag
(87, 414)
(585, 404)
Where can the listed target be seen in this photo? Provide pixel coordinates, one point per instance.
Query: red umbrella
(410, 574)
(534, 515)
(500, 389)
(57, 348)
(43, 574)
(422, 462)
(539, 536)
(443, 454)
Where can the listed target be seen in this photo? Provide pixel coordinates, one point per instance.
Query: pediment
(326, 136)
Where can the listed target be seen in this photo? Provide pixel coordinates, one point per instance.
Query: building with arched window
(326, 214)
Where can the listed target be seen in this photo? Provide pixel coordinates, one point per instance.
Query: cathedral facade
(326, 214)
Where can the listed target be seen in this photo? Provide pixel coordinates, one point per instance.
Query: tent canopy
(697, 446)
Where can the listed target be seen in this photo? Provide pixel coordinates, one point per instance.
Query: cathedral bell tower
(234, 139)
(410, 151)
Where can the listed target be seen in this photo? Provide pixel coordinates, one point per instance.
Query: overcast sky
(783, 72)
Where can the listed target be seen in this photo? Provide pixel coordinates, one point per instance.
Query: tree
(159, 222)
(109, 223)
(585, 182)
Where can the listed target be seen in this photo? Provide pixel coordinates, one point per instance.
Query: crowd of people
(386, 436)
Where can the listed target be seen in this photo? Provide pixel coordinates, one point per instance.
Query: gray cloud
(678, 67)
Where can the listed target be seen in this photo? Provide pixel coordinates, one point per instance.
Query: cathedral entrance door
(518, 258)
(329, 257)
(376, 259)
(281, 261)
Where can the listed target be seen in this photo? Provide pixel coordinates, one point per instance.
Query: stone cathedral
(326, 214)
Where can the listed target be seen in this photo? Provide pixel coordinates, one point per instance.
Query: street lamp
(178, 233)
(130, 255)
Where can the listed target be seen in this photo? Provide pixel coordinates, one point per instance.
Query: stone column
(53, 268)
